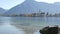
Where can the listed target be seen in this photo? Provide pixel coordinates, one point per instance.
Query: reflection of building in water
(28, 29)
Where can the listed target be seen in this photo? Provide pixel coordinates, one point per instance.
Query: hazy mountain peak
(2, 10)
(33, 7)
(30, 1)
(57, 2)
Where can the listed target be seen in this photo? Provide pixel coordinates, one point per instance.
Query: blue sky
(7, 4)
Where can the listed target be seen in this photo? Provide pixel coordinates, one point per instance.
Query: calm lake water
(26, 25)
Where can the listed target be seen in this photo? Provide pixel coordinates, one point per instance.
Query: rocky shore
(50, 30)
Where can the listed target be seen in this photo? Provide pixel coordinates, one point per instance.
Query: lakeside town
(38, 14)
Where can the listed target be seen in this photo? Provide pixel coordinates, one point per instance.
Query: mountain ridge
(2, 10)
(30, 6)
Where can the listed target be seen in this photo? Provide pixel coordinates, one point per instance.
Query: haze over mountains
(31, 6)
(2, 10)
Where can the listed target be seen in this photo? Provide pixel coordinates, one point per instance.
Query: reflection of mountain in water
(28, 29)
(25, 24)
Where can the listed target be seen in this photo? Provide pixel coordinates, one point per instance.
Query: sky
(8, 4)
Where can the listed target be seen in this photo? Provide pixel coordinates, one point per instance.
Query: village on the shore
(38, 14)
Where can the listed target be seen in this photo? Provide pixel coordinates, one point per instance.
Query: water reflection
(13, 25)
(6, 28)
(28, 24)
(28, 29)
(25, 25)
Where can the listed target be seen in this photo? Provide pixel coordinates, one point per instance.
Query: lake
(26, 25)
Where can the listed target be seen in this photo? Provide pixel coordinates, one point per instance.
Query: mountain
(2, 10)
(31, 6)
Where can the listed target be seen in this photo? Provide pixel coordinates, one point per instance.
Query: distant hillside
(2, 10)
(31, 6)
